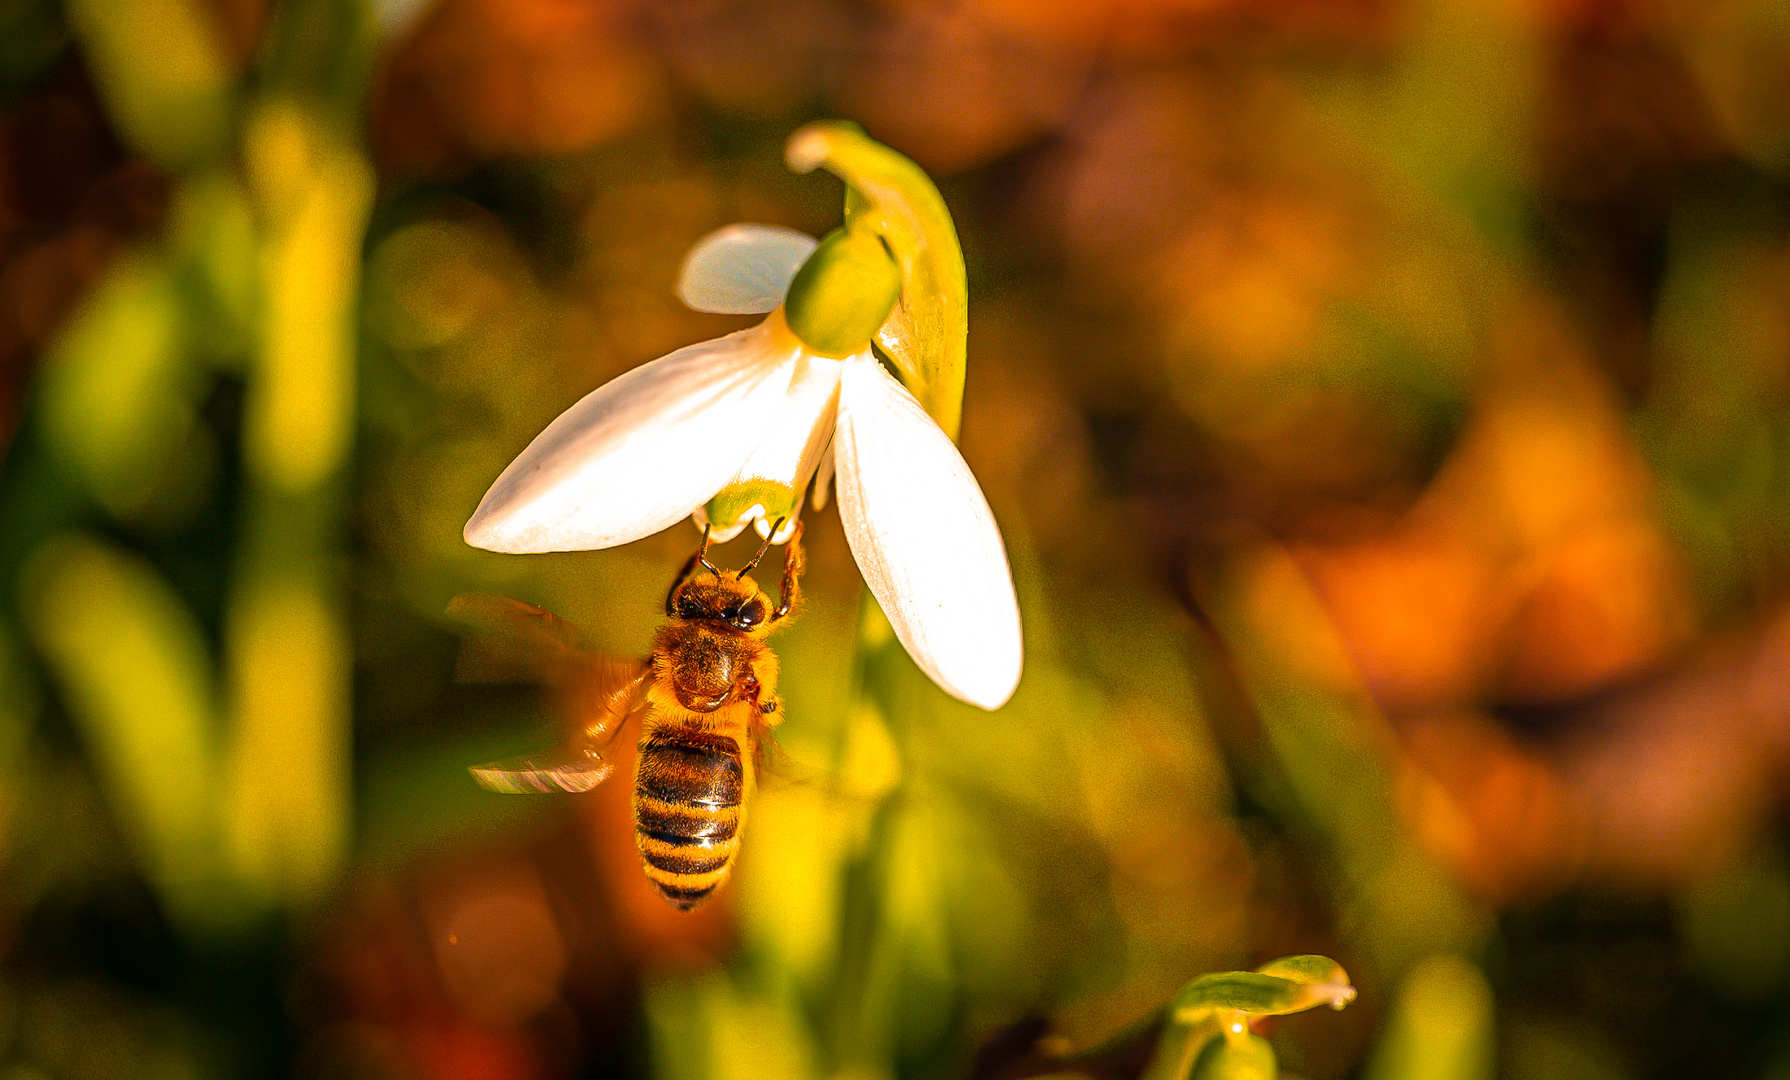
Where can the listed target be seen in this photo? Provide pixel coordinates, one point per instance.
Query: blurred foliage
(1385, 405)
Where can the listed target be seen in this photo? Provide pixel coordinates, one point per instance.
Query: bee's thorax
(705, 666)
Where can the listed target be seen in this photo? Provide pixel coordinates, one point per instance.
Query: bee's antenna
(762, 548)
(702, 554)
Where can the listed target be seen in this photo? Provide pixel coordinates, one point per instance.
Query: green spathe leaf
(1306, 969)
(925, 334)
(1287, 985)
(1246, 991)
(1321, 980)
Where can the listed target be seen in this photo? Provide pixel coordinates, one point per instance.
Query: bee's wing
(507, 640)
(769, 755)
(777, 769)
(615, 689)
(616, 692)
(510, 640)
(564, 769)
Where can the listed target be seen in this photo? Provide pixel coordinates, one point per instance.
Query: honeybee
(706, 696)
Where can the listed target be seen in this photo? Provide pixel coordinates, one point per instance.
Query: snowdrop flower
(732, 431)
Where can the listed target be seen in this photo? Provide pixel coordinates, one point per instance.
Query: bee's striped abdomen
(687, 811)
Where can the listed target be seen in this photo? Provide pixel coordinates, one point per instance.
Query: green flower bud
(843, 294)
(1248, 1057)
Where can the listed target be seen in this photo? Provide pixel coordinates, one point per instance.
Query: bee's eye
(688, 608)
(750, 615)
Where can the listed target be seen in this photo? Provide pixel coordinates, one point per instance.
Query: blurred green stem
(287, 638)
(263, 804)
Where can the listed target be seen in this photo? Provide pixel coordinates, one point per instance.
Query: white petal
(925, 540)
(642, 450)
(823, 479)
(804, 424)
(778, 470)
(784, 532)
(743, 269)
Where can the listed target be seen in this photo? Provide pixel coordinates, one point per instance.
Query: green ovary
(844, 292)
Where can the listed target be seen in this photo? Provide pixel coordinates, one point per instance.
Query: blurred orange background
(1385, 404)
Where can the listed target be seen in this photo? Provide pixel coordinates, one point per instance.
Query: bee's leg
(761, 680)
(794, 562)
(769, 705)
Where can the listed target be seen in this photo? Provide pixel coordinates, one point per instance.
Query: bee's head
(732, 599)
(728, 597)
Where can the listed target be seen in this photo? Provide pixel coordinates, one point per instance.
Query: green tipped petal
(889, 195)
(779, 501)
(1306, 969)
(842, 295)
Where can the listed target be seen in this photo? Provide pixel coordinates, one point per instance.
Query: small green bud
(843, 294)
(1248, 1057)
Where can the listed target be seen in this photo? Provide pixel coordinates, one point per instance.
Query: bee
(706, 696)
